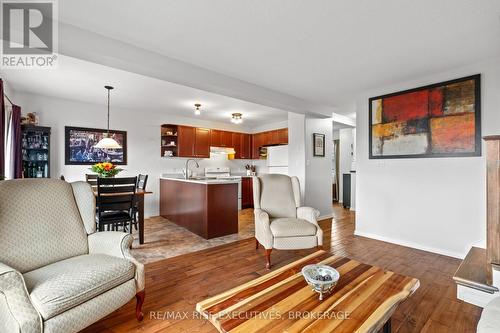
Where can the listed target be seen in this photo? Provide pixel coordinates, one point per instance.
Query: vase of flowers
(105, 169)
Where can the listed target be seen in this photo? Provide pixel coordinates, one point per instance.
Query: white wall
(346, 139)
(436, 204)
(269, 127)
(297, 148)
(336, 135)
(143, 139)
(318, 189)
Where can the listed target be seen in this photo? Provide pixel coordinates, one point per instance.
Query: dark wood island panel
(208, 210)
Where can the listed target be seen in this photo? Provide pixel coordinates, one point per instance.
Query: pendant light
(107, 142)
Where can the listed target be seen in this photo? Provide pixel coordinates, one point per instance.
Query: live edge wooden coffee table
(363, 300)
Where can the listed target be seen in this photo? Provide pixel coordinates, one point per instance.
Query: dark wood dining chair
(91, 178)
(142, 180)
(115, 202)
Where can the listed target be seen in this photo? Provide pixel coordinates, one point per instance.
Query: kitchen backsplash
(176, 165)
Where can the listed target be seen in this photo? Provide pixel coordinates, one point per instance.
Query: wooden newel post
(493, 203)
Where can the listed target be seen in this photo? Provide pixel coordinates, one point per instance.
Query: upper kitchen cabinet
(246, 146)
(169, 146)
(283, 136)
(257, 142)
(221, 138)
(193, 141)
(236, 144)
(186, 141)
(226, 139)
(215, 138)
(242, 145)
(202, 142)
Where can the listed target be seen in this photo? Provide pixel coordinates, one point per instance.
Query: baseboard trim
(324, 217)
(411, 244)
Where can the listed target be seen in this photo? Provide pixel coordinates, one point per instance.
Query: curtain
(2, 130)
(13, 149)
(16, 133)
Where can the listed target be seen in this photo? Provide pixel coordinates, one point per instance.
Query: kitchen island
(204, 206)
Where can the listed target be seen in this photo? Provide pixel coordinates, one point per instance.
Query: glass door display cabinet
(35, 141)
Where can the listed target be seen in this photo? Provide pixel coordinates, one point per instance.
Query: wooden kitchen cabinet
(193, 141)
(256, 144)
(226, 139)
(215, 138)
(265, 139)
(196, 142)
(242, 145)
(236, 144)
(274, 137)
(186, 140)
(283, 136)
(202, 142)
(246, 192)
(246, 146)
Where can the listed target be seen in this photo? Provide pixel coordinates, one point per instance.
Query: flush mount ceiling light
(197, 110)
(107, 142)
(236, 118)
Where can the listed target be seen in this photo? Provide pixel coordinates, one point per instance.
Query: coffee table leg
(387, 326)
(140, 207)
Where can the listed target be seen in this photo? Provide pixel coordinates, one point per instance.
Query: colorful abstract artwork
(439, 120)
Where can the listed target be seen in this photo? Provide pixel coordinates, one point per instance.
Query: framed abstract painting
(438, 120)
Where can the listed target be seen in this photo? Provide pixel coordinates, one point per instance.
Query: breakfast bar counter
(204, 206)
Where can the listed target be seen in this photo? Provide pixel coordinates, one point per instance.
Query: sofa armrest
(309, 214)
(17, 309)
(117, 244)
(263, 231)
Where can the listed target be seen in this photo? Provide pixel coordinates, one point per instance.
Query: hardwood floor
(178, 283)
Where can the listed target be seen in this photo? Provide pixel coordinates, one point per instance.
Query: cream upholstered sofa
(57, 274)
(280, 221)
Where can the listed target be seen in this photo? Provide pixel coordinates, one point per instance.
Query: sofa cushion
(292, 227)
(490, 318)
(65, 284)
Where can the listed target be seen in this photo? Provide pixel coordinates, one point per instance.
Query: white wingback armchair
(56, 273)
(280, 221)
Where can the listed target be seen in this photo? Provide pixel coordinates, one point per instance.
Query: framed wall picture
(438, 120)
(79, 146)
(318, 144)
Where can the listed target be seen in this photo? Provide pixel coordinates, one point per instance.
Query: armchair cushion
(292, 227)
(490, 318)
(60, 286)
(117, 244)
(277, 196)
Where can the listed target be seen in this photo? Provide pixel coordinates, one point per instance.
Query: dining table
(139, 198)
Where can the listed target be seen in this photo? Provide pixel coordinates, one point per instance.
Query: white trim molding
(411, 244)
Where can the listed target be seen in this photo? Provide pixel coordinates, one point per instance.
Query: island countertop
(202, 180)
(206, 207)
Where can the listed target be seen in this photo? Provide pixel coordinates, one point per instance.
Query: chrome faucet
(186, 170)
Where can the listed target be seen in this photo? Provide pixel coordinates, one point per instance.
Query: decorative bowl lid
(320, 274)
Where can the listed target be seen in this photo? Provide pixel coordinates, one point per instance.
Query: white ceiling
(79, 80)
(324, 51)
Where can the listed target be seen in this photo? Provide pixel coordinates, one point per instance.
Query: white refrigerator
(277, 159)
